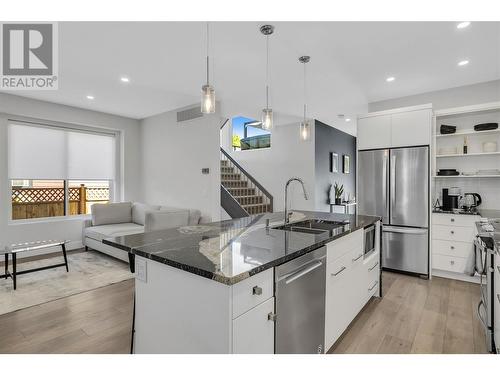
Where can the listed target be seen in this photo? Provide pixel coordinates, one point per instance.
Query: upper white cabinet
(374, 132)
(395, 128)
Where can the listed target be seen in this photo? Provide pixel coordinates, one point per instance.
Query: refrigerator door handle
(393, 183)
(385, 187)
(404, 230)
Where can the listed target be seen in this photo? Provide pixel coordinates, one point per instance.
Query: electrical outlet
(141, 269)
(205, 170)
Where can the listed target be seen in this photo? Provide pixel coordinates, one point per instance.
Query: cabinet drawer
(343, 245)
(448, 263)
(452, 233)
(455, 220)
(452, 248)
(252, 291)
(253, 332)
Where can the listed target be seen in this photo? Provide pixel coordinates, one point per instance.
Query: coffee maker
(451, 197)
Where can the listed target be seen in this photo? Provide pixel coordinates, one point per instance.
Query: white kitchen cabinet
(411, 128)
(374, 132)
(404, 127)
(496, 303)
(253, 332)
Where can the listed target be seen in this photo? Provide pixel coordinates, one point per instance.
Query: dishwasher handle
(298, 274)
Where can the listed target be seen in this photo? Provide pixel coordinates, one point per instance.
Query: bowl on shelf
(488, 172)
(469, 173)
(447, 151)
(448, 172)
(490, 146)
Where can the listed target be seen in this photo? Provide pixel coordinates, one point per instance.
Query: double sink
(316, 226)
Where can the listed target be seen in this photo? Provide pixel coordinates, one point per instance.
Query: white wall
(12, 106)
(484, 92)
(172, 159)
(287, 157)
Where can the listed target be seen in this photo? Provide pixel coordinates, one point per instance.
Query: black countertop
(483, 212)
(233, 250)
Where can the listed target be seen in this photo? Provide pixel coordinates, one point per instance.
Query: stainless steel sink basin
(315, 226)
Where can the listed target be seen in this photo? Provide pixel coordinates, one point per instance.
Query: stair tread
(255, 205)
(247, 196)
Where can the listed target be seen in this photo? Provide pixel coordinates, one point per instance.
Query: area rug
(87, 271)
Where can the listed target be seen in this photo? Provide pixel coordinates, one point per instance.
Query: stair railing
(260, 191)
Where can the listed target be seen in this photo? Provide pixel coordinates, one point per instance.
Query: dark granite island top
(233, 250)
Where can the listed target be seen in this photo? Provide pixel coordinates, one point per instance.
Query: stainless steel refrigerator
(394, 184)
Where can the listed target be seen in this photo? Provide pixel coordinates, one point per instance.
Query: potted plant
(339, 190)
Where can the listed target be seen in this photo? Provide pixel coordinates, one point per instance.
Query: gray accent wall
(329, 139)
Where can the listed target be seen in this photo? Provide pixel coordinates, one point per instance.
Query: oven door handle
(301, 272)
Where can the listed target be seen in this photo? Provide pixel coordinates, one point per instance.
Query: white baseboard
(456, 276)
(72, 245)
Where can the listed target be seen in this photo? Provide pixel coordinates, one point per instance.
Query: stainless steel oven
(369, 243)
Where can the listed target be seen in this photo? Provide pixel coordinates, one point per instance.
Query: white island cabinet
(181, 312)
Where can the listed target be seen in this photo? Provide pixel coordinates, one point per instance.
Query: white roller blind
(37, 152)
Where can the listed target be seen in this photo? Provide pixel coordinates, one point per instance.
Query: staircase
(241, 194)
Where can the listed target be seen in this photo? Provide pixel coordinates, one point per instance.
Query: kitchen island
(212, 288)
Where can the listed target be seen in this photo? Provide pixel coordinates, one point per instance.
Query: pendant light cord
(208, 41)
(267, 71)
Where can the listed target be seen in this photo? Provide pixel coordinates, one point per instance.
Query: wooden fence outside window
(29, 203)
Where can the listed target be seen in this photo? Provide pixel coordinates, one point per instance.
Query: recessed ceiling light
(390, 79)
(463, 62)
(463, 25)
(90, 97)
(347, 120)
(125, 79)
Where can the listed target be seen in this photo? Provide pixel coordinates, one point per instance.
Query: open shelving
(467, 155)
(469, 133)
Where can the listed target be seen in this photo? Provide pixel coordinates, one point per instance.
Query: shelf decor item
(465, 145)
(486, 126)
(339, 190)
(347, 164)
(448, 172)
(334, 162)
(447, 129)
(490, 146)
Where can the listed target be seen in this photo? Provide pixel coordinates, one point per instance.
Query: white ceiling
(349, 64)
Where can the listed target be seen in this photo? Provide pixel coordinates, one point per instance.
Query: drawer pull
(271, 316)
(452, 262)
(452, 232)
(359, 256)
(452, 247)
(257, 291)
(339, 272)
(375, 265)
(452, 220)
(373, 286)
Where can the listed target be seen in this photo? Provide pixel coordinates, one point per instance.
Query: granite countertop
(233, 250)
(483, 212)
(490, 237)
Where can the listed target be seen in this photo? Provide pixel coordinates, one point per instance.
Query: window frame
(114, 184)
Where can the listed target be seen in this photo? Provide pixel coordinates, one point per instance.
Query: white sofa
(120, 219)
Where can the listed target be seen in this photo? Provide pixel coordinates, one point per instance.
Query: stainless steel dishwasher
(300, 304)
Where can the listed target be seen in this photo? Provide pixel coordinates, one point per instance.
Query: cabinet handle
(452, 247)
(359, 256)
(271, 316)
(375, 265)
(339, 272)
(452, 232)
(374, 285)
(452, 262)
(257, 291)
(452, 220)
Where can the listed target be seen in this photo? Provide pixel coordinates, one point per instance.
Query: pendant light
(207, 91)
(267, 113)
(305, 126)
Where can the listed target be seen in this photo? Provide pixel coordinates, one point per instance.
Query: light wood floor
(415, 316)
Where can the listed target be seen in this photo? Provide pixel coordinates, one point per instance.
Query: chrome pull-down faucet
(287, 219)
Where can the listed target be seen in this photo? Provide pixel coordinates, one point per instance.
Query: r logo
(27, 49)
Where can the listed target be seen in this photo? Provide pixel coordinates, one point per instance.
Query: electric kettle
(471, 200)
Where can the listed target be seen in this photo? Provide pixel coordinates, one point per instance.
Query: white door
(411, 128)
(253, 332)
(374, 132)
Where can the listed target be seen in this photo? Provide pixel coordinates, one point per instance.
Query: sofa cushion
(111, 213)
(139, 212)
(101, 232)
(194, 215)
(163, 219)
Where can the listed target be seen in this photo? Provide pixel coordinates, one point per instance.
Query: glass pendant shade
(267, 119)
(207, 99)
(305, 130)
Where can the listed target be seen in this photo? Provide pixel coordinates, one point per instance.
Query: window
(249, 135)
(58, 171)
